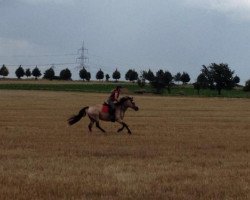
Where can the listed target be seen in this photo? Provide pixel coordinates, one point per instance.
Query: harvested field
(181, 148)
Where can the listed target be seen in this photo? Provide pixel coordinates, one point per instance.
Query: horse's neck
(122, 107)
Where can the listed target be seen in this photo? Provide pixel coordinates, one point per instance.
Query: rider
(113, 98)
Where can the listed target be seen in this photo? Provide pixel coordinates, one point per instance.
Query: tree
(107, 77)
(236, 80)
(99, 75)
(88, 76)
(220, 76)
(247, 86)
(177, 77)
(128, 74)
(185, 78)
(162, 80)
(4, 71)
(19, 72)
(208, 75)
(36, 72)
(49, 74)
(83, 74)
(65, 74)
(148, 75)
(116, 75)
(27, 73)
(141, 81)
(131, 75)
(168, 78)
(201, 83)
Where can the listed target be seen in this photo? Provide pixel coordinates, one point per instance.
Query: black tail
(75, 118)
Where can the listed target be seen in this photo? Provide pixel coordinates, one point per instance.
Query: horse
(100, 112)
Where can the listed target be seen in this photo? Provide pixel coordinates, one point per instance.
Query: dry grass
(186, 148)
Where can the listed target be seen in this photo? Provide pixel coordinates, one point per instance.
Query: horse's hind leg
(98, 126)
(90, 125)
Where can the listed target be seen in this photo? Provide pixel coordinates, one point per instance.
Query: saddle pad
(105, 108)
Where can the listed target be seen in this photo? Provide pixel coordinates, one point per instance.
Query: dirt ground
(180, 148)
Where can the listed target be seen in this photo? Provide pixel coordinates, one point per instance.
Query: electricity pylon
(82, 58)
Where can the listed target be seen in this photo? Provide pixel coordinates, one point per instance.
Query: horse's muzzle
(136, 108)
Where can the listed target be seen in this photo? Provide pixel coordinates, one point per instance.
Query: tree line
(214, 76)
(66, 74)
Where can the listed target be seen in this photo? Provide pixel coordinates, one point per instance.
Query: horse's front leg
(120, 129)
(124, 125)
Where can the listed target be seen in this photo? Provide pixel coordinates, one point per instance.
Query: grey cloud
(138, 34)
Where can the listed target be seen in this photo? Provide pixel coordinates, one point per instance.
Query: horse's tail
(75, 118)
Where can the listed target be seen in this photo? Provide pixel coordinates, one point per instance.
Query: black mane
(123, 99)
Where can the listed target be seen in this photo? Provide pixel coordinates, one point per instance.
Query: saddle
(105, 107)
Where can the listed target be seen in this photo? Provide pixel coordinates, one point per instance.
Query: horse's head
(129, 103)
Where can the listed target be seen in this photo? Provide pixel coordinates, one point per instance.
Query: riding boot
(112, 116)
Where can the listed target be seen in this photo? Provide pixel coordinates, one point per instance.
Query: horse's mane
(123, 99)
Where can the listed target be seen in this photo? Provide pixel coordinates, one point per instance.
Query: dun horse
(100, 112)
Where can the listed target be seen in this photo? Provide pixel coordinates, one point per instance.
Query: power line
(81, 60)
(29, 65)
(113, 61)
(46, 55)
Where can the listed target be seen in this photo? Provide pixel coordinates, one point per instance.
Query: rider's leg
(112, 111)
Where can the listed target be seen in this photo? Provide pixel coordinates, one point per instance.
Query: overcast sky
(171, 35)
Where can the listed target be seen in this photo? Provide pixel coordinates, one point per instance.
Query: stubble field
(181, 148)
